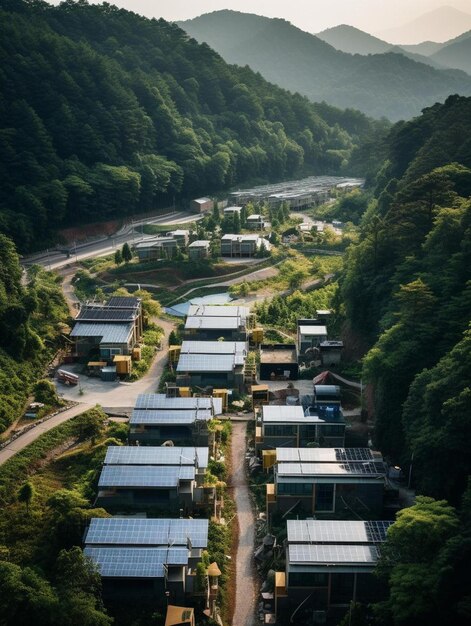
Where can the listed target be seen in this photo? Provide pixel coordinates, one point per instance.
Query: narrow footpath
(246, 580)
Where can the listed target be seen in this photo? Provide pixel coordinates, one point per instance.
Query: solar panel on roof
(335, 469)
(337, 531)
(123, 301)
(152, 532)
(324, 455)
(213, 347)
(136, 562)
(104, 314)
(141, 416)
(229, 323)
(160, 401)
(156, 455)
(144, 476)
(208, 362)
(329, 554)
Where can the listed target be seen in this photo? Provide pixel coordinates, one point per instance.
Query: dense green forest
(406, 292)
(105, 113)
(30, 323)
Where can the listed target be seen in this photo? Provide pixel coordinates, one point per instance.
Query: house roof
(337, 531)
(309, 471)
(324, 455)
(200, 243)
(93, 313)
(313, 330)
(213, 347)
(136, 562)
(178, 615)
(156, 455)
(215, 310)
(165, 417)
(160, 401)
(109, 333)
(144, 476)
(202, 200)
(154, 243)
(127, 302)
(272, 413)
(305, 554)
(210, 323)
(209, 362)
(147, 532)
(254, 217)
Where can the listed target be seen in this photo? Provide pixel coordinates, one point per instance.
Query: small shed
(278, 362)
(201, 205)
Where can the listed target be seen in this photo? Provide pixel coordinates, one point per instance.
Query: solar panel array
(160, 401)
(209, 362)
(141, 416)
(323, 455)
(128, 302)
(213, 347)
(136, 562)
(156, 455)
(335, 531)
(144, 476)
(150, 532)
(331, 469)
(109, 332)
(104, 313)
(330, 554)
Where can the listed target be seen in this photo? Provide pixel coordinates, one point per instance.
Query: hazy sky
(373, 16)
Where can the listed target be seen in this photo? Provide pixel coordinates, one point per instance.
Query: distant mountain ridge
(386, 84)
(355, 41)
(438, 25)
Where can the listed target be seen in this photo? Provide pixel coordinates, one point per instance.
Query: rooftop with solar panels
(157, 455)
(327, 455)
(333, 545)
(155, 401)
(144, 548)
(334, 471)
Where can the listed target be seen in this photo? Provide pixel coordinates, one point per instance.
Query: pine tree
(26, 494)
(118, 257)
(126, 253)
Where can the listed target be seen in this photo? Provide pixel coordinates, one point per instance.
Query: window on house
(325, 497)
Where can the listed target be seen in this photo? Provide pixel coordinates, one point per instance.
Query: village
(234, 426)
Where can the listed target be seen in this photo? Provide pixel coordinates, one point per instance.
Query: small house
(157, 419)
(295, 427)
(210, 323)
(230, 211)
(331, 352)
(142, 558)
(329, 567)
(255, 222)
(278, 362)
(158, 248)
(201, 205)
(327, 489)
(199, 249)
(181, 236)
(310, 334)
(242, 245)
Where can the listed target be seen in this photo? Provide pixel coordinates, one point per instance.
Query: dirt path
(246, 581)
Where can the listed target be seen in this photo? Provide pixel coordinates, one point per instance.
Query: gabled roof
(109, 333)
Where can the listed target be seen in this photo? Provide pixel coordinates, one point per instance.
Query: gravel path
(246, 585)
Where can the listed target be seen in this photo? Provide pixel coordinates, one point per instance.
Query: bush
(45, 392)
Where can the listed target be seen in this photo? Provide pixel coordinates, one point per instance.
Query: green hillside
(406, 290)
(105, 113)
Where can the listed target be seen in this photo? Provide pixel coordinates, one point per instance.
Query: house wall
(279, 369)
(198, 253)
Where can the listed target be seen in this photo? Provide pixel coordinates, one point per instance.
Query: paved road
(119, 394)
(54, 260)
(24, 440)
(246, 579)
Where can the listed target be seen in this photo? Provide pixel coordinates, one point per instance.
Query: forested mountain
(381, 85)
(407, 291)
(455, 54)
(354, 41)
(105, 113)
